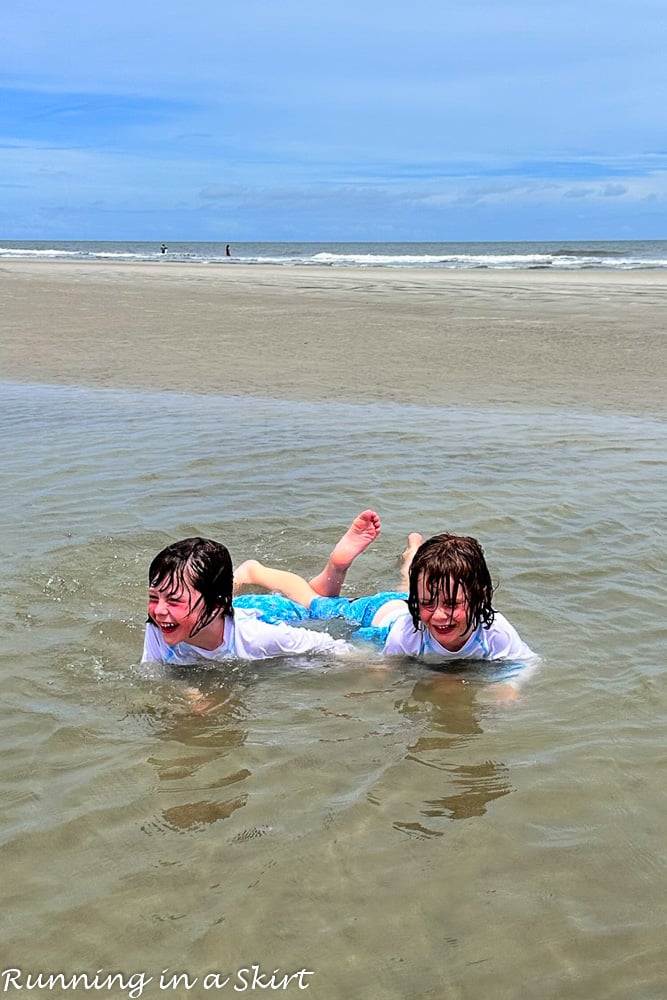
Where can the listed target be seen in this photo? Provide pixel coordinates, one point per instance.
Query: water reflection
(197, 766)
(453, 710)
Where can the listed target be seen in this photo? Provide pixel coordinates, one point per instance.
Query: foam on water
(603, 255)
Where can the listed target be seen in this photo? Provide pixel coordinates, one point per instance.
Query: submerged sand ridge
(581, 340)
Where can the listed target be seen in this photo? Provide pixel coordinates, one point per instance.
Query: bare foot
(414, 541)
(364, 529)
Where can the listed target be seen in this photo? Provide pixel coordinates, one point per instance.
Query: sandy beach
(581, 340)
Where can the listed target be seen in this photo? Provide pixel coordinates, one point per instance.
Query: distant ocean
(619, 255)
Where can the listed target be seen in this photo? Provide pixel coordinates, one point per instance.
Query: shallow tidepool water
(394, 830)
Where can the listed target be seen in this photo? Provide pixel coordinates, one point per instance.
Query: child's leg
(364, 529)
(414, 541)
(253, 573)
(393, 605)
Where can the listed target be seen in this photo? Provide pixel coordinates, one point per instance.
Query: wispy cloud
(488, 119)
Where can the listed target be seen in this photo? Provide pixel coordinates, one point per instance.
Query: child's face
(445, 622)
(175, 612)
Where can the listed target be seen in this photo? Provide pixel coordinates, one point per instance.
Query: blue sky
(305, 120)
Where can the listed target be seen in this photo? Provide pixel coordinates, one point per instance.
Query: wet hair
(448, 564)
(202, 564)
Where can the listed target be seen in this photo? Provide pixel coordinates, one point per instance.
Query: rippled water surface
(397, 832)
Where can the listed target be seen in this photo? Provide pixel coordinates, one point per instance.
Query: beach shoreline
(581, 340)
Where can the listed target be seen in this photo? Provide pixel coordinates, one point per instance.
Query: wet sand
(579, 340)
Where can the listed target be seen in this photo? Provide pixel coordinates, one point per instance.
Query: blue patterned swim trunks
(272, 608)
(360, 611)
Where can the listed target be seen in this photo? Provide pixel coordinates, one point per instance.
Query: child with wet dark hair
(445, 609)
(191, 615)
(449, 588)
